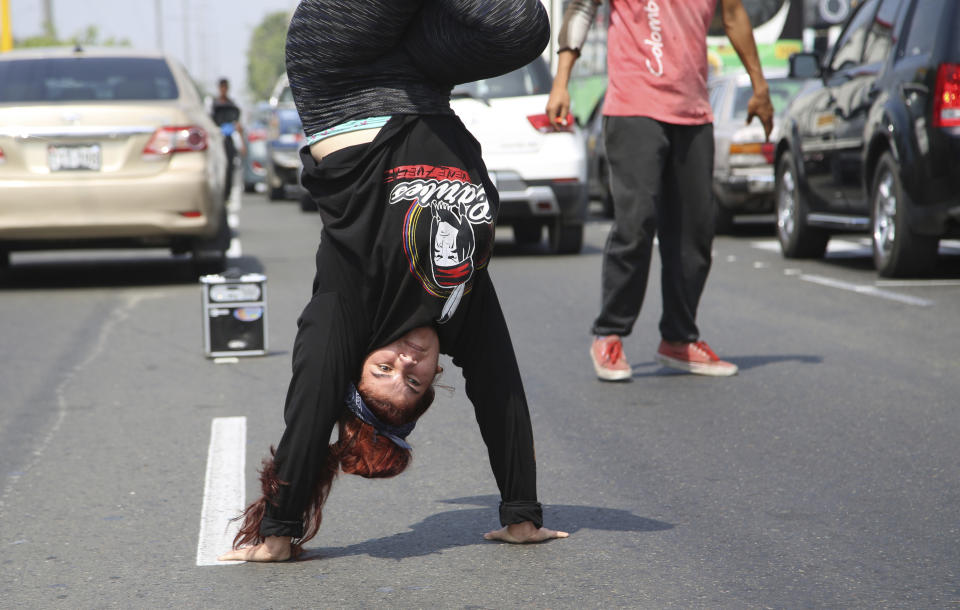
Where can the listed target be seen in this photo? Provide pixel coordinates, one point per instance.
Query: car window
(716, 96)
(532, 79)
(924, 23)
(74, 79)
(288, 122)
(880, 36)
(286, 96)
(849, 50)
(782, 92)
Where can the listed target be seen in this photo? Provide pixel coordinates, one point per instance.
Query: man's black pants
(660, 180)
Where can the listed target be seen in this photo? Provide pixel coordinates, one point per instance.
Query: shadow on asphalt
(458, 528)
(651, 368)
(94, 272)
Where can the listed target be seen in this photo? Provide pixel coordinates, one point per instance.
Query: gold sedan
(107, 149)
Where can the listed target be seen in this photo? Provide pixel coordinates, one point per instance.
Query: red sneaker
(608, 359)
(695, 358)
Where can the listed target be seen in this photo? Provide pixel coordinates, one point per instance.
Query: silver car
(107, 148)
(743, 172)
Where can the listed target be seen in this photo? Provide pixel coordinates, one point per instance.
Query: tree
(90, 37)
(265, 56)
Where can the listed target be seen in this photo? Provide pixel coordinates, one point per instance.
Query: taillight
(3, 157)
(254, 135)
(542, 123)
(169, 140)
(946, 101)
(754, 148)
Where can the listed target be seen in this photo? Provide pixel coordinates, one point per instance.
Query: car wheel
(276, 193)
(723, 218)
(249, 187)
(209, 254)
(527, 233)
(565, 238)
(797, 239)
(209, 264)
(307, 204)
(897, 251)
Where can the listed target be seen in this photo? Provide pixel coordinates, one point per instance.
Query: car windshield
(74, 79)
(782, 92)
(288, 121)
(532, 79)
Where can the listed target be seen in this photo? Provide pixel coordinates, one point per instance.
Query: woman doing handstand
(408, 213)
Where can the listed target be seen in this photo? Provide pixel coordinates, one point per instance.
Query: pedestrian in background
(226, 114)
(658, 132)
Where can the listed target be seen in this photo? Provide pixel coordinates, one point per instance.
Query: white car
(743, 176)
(540, 171)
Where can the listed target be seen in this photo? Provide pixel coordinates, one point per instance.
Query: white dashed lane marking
(224, 489)
(852, 248)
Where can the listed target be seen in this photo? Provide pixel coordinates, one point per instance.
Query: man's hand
(761, 107)
(523, 533)
(558, 105)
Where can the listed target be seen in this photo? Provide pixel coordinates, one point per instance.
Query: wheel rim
(885, 215)
(787, 204)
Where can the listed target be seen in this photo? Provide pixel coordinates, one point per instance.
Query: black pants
(231, 149)
(660, 180)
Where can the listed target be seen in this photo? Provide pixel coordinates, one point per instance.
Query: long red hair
(358, 450)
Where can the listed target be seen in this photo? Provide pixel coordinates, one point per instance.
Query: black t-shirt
(224, 112)
(408, 228)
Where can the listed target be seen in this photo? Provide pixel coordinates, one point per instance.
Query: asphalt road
(826, 474)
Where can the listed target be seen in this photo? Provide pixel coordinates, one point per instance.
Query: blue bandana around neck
(362, 411)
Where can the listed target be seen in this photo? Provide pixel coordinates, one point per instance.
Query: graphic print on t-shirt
(447, 229)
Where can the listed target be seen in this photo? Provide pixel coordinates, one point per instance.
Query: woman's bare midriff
(328, 146)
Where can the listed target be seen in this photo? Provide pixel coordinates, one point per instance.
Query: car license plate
(81, 157)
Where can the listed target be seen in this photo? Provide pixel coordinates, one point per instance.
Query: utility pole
(158, 20)
(186, 35)
(6, 28)
(48, 17)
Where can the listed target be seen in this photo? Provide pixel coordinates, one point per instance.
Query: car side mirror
(805, 65)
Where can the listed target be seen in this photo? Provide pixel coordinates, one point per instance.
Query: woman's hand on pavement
(523, 533)
(273, 548)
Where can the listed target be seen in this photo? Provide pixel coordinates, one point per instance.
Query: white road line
(851, 248)
(916, 283)
(235, 250)
(224, 489)
(867, 290)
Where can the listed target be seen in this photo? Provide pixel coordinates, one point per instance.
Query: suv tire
(527, 233)
(565, 238)
(897, 251)
(797, 239)
(723, 218)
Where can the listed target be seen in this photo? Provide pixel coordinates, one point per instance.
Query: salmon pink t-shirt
(657, 60)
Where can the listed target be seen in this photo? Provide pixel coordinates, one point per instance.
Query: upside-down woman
(408, 213)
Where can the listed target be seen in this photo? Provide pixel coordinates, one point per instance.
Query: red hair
(358, 450)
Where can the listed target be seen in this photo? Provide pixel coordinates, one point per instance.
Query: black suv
(872, 142)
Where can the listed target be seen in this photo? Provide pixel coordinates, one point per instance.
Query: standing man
(226, 114)
(658, 129)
